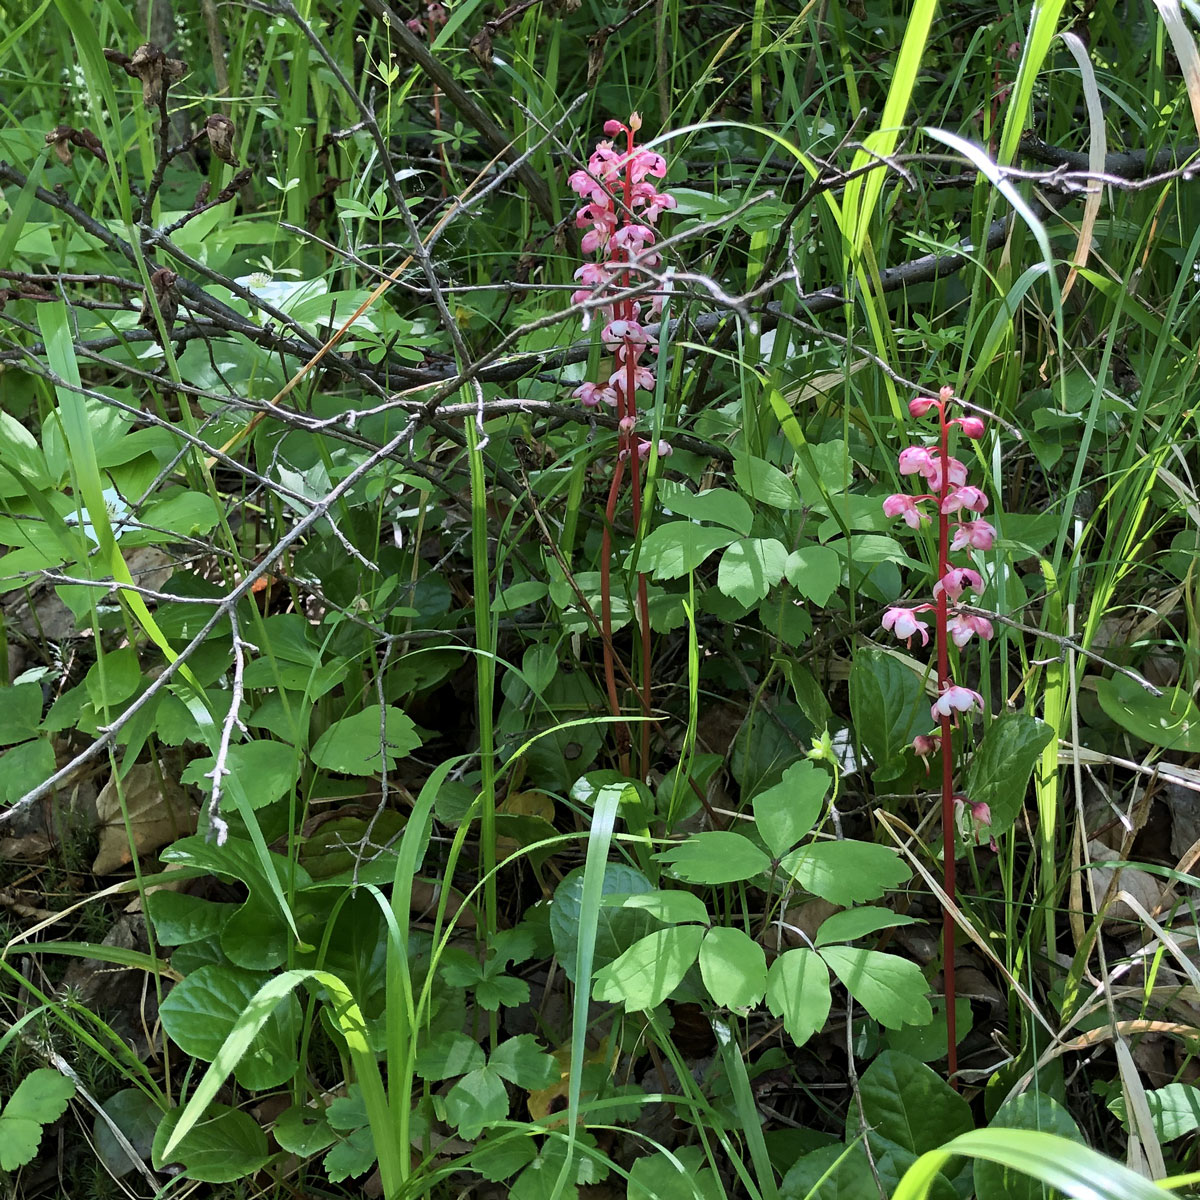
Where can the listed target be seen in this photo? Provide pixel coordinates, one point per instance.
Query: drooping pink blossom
(920, 405)
(916, 460)
(958, 580)
(904, 624)
(956, 472)
(966, 496)
(954, 700)
(925, 746)
(962, 625)
(593, 394)
(908, 507)
(972, 427)
(978, 534)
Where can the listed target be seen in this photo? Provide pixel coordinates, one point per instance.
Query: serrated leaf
(891, 989)
(41, 1096)
(715, 856)
(885, 703)
(1171, 720)
(352, 1156)
(352, 745)
(854, 923)
(678, 547)
(750, 568)
(476, 1101)
(522, 1061)
(1000, 768)
(733, 967)
(651, 969)
(448, 1054)
(815, 572)
(846, 872)
(784, 813)
(798, 991)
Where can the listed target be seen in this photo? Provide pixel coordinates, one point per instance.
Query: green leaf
(672, 908)
(114, 677)
(616, 928)
(303, 1131)
(854, 923)
(20, 712)
(39, 1099)
(786, 812)
(24, 767)
(721, 505)
(179, 919)
(1171, 720)
(651, 969)
(838, 1172)
(476, 1101)
(522, 1061)
(733, 967)
(891, 989)
(1174, 1109)
(137, 1116)
(884, 699)
(448, 1054)
(760, 480)
(528, 591)
(351, 746)
(1001, 766)
(224, 1145)
(260, 772)
(353, 1156)
(715, 856)
(815, 572)
(846, 872)
(798, 991)
(1029, 1110)
(750, 568)
(908, 1109)
(200, 1013)
(682, 1175)
(678, 547)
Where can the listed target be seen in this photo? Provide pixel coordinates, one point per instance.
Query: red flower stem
(947, 750)
(610, 676)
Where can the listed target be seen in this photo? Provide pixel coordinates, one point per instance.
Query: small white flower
(117, 511)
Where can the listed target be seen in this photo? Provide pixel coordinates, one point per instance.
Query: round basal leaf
(137, 1117)
(721, 505)
(678, 547)
(352, 746)
(928, 1042)
(733, 967)
(1029, 1110)
(1171, 720)
(20, 712)
(179, 918)
(854, 923)
(715, 856)
(839, 1172)
(887, 705)
(114, 677)
(225, 1144)
(303, 1131)
(815, 572)
(889, 987)
(846, 872)
(200, 1012)
(1001, 766)
(616, 928)
(750, 568)
(260, 772)
(908, 1109)
(786, 812)
(798, 991)
(651, 969)
(24, 767)
(256, 937)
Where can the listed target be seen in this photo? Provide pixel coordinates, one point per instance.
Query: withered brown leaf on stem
(166, 292)
(149, 64)
(63, 137)
(221, 132)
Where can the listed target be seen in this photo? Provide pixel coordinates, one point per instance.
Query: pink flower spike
(962, 625)
(955, 700)
(904, 624)
(965, 497)
(958, 580)
(920, 405)
(979, 535)
(916, 460)
(972, 427)
(908, 507)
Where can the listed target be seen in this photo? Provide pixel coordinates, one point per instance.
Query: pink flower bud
(626, 424)
(920, 405)
(946, 394)
(972, 427)
(613, 127)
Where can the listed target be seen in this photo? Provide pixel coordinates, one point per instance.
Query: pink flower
(965, 497)
(954, 700)
(593, 394)
(979, 535)
(957, 472)
(962, 625)
(916, 460)
(904, 624)
(900, 505)
(972, 427)
(956, 581)
(925, 746)
(920, 405)
(643, 379)
(665, 450)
